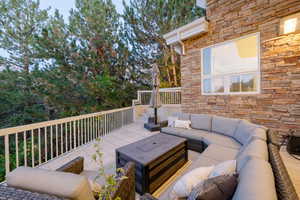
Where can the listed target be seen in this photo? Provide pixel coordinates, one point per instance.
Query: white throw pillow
(183, 124)
(171, 121)
(225, 168)
(187, 182)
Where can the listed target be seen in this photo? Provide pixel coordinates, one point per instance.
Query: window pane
(248, 83)
(207, 85)
(237, 56)
(235, 84)
(207, 61)
(218, 85)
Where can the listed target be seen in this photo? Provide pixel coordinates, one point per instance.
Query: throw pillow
(217, 188)
(171, 121)
(187, 182)
(183, 124)
(225, 168)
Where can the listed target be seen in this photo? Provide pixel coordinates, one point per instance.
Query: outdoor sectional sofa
(219, 139)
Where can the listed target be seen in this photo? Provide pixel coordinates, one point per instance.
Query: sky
(65, 5)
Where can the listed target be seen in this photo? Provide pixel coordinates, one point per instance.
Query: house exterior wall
(278, 104)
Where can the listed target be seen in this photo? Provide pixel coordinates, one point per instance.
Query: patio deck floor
(109, 143)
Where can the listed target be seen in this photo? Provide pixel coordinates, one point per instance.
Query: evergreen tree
(146, 22)
(19, 21)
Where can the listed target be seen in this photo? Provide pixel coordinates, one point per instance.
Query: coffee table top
(146, 150)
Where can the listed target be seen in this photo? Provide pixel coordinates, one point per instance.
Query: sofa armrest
(75, 166)
(147, 196)
(284, 186)
(274, 138)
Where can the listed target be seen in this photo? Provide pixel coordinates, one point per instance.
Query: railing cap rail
(17, 129)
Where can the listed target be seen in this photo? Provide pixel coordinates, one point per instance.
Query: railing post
(6, 140)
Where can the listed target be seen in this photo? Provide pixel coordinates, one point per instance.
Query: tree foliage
(146, 22)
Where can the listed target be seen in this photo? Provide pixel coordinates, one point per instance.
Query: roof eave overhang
(197, 27)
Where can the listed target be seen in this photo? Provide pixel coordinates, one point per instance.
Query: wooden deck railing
(34, 144)
(167, 96)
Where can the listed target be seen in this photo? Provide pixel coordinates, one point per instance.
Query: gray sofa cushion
(256, 148)
(186, 133)
(182, 115)
(256, 181)
(204, 161)
(201, 121)
(220, 153)
(222, 140)
(223, 125)
(245, 130)
(67, 185)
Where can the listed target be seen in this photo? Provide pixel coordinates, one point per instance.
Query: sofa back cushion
(225, 126)
(182, 116)
(61, 184)
(256, 181)
(255, 148)
(201, 121)
(246, 130)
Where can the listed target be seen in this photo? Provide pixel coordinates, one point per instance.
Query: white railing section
(167, 96)
(34, 144)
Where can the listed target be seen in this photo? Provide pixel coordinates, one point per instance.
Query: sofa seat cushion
(256, 181)
(204, 161)
(61, 184)
(201, 121)
(246, 131)
(215, 138)
(220, 153)
(185, 133)
(225, 126)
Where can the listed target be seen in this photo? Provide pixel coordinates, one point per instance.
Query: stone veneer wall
(278, 105)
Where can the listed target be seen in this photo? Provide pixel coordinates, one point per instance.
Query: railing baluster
(93, 127)
(56, 139)
(46, 143)
(25, 148)
(105, 125)
(74, 134)
(32, 148)
(66, 135)
(70, 135)
(81, 132)
(61, 138)
(51, 141)
(85, 132)
(6, 144)
(17, 149)
(96, 127)
(40, 153)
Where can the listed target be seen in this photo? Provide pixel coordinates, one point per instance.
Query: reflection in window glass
(235, 84)
(218, 84)
(248, 83)
(207, 61)
(207, 85)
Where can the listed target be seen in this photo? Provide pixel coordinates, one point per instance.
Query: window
(231, 67)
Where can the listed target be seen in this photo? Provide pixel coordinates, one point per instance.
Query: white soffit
(201, 3)
(194, 28)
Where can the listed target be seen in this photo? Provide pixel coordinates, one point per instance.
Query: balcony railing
(35, 144)
(167, 96)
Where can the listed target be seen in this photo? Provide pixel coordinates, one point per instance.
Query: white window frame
(227, 76)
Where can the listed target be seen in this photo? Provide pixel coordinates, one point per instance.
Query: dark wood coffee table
(157, 158)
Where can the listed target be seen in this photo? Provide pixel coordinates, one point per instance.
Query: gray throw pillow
(217, 188)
